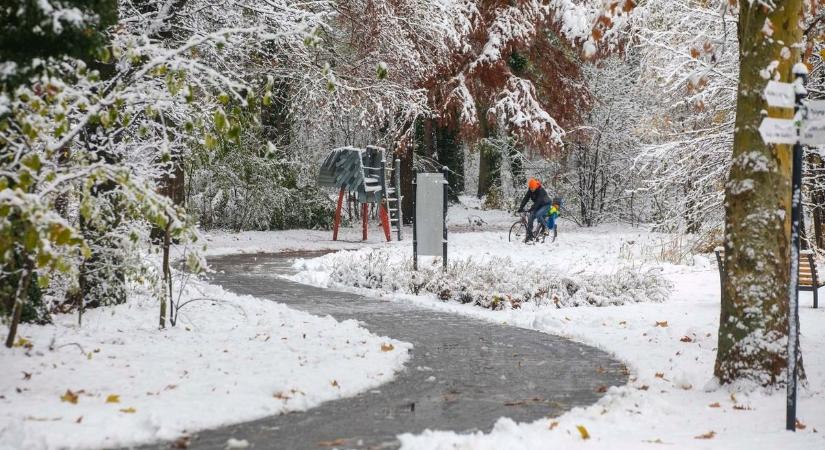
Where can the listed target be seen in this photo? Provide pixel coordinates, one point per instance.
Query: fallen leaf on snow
(128, 410)
(333, 443)
(662, 324)
(27, 376)
(601, 389)
(583, 431)
(181, 442)
(800, 425)
(553, 424)
(686, 339)
(23, 342)
(715, 405)
(335, 384)
(741, 407)
(643, 387)
(112, 398)
(387, 347)
(660, 375)
(654, 441)
(708, 435)
(69, 396)
(79, 419)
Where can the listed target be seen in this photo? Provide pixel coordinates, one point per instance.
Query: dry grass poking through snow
(498, 283)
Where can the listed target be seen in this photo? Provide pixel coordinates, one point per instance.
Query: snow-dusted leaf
(583, 432)
(69, 397)
(708, 435)
(129, 410)
(333, 443)
(113, 398)
(387, 347)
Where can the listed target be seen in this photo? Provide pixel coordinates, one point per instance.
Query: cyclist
(541, 204)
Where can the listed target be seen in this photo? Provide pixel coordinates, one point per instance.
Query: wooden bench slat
(807, 272)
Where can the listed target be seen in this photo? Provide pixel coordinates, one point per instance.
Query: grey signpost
(796, 131)
(430, 221)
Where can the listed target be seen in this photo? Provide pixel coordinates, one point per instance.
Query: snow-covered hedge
(496, 283)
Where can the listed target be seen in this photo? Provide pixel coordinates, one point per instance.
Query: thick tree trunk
(753, 326)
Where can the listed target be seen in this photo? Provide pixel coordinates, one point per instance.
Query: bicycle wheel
(518, 232)
(540, 232)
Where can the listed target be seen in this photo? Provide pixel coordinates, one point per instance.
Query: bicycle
(518, 231)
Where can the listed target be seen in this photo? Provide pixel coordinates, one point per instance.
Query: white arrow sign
(778, 131)
(816, 109)
(780, 95)
(813, 132)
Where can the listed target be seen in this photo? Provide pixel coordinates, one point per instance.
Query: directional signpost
(778, 131)
(780, 95)
(806, 128)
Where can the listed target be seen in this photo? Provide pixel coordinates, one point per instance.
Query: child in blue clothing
(553, 213)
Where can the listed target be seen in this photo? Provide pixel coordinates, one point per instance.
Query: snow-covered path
(463, 374)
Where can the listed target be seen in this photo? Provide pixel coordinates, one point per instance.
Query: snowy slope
(670, 348)
(230, 359)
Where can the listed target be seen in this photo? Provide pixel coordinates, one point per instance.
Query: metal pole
(415, 230)
(445, 171)
(398, 215)
(800, 114)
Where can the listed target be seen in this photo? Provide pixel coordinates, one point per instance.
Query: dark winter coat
(539, 198)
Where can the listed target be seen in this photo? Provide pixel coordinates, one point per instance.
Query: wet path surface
(463, 373)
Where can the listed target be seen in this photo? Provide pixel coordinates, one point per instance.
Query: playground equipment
(363, 173)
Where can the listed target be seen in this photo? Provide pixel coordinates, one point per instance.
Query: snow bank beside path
(670, 348)
(119, 380)
(224, 243)
(671, 400)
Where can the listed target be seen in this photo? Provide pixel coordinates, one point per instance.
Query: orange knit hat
(533, 184)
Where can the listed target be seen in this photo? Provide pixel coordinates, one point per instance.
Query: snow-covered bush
(496, 284)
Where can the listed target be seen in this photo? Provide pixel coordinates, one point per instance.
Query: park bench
(808, 276)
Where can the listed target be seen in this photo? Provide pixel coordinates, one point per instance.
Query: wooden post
(365, 209)
(385, 221)
(337, 221)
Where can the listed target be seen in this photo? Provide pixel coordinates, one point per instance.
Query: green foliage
(34, 310)
(518, 63)
(34, 29)
(242, 182)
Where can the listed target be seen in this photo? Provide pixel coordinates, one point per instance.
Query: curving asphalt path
(463, 374)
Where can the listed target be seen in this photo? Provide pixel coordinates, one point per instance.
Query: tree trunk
(20, 297)
(753, 326)
(406, 155)
(817, 198)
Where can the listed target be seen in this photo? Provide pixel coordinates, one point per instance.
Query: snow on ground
(223, 242)
(119, 381)
(670, 348)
